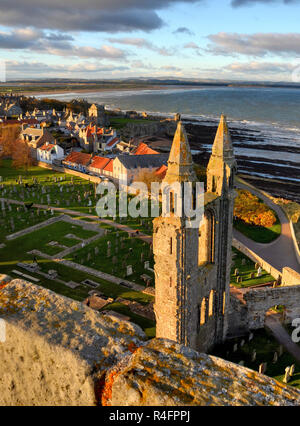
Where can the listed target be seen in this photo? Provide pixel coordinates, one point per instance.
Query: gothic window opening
(224, 303)
(207, 239)
(211, 304)
(203, 312)
(171, 245)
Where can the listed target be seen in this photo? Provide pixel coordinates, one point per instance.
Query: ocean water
(268, 117)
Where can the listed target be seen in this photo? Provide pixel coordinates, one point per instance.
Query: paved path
(281, 252)
(282, 336)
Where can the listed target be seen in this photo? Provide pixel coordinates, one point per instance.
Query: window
(203, 312)
(211, 304)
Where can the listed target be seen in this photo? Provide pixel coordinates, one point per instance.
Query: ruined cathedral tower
(192, 265)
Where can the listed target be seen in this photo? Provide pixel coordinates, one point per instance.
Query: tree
(9, 134)
(21, 155)
(251, 210)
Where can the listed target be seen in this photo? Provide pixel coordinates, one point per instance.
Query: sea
(265, 120)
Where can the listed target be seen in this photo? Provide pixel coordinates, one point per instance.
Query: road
(281, 252)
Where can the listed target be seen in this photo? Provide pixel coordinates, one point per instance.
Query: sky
(111, 39)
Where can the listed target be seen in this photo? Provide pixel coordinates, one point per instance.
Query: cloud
(238, 3)
(143, 43)
(260, 44)
(89, 15)
(259, 67)
(39, 68)
(19, 39)
(183, 30)
(193, 46)
(55, 44)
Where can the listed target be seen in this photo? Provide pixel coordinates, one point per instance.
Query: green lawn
(119, 123)
(246, 270)
(265, 346)
(120, 253)
(258, 233)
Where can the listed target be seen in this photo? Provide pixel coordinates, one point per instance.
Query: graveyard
(245, 274)
(260, 350)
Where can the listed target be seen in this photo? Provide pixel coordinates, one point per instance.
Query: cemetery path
(282, 336)
(281, 252)
(121, 227)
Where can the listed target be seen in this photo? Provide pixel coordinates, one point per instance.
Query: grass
(121, 252)
(259, 234)
(246, 270)
(119, 123)
(265, 346)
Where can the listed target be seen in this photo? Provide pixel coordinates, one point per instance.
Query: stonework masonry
(192, 266)
(60, 352)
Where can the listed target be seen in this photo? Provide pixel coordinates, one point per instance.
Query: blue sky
(218, 39)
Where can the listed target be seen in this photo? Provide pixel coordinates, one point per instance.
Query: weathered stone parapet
(163, 373)
(60, 352)
(56, 349)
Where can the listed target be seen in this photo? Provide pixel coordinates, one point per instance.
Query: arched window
(203, 312)
(207, 239)
(211, 303)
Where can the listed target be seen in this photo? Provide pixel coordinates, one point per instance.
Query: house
(161, 172)
(36, 138)
(48, 153)
(109, 168)
(127, 167)
(78, 161)
(98, 164)
(144, 149)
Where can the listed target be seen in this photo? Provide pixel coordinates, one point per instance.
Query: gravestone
(275, 358)
(259, 272)
(251, 336)
(147, 265)
(235, 347)
(254, 354)
(287, 376)
(236, 272)
(262, 368)
(292, 370)
(129, 271)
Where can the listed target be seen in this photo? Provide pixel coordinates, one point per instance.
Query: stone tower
(192, 265)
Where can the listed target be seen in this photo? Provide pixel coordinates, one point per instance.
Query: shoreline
(104, 90)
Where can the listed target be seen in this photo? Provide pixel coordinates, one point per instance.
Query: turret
(222, 164)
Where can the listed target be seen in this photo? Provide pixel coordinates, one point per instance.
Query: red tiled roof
(110, 166)
(30, 121)
(47, 147)
(144, 149)
(113, 142)
(78, 158)
(99, 162)
(162, 171)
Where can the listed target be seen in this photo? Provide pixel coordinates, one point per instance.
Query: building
(127, 167)
(192, 265)
(78, 161)
(48, 153)
(98, 164)
(144, 149)
(36, 137)
(97, 115)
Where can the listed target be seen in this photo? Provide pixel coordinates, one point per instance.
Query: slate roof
(143, 161)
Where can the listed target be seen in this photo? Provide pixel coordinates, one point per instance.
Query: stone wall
(60, 352)
(290, 277)
(255, 258)
(259, 301)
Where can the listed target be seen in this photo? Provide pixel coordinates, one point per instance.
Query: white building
(48, 152)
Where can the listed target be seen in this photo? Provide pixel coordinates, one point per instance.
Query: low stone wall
(255, 258)
(290, 278)
(34, 228)
(93, 179)
(112, 364)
